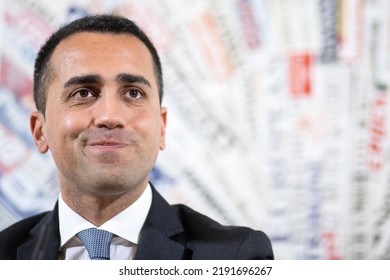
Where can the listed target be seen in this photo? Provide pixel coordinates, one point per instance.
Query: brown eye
(135, 93)
(84, 93)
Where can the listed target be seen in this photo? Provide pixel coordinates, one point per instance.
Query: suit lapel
(44, 235)
(162, 235)
(156, 246)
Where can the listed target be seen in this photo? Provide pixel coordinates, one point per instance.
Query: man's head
(99, 24)
(100, 114)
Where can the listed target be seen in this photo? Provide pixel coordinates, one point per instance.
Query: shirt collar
(127, 224)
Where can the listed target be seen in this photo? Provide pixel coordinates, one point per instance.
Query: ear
(37, 121)
(163, 127)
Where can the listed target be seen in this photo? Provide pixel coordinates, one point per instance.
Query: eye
(134, 93)
(83, 93)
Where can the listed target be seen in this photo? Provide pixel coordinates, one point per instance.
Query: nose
(109, 112)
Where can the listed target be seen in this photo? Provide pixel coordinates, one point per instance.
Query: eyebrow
(86, 79)
(96, 79)
(132, 78)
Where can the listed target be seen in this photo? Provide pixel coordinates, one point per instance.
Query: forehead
(93, 51)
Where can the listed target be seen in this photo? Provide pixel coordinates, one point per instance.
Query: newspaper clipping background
(278, 115)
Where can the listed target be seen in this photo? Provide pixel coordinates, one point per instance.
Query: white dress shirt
(126, 226)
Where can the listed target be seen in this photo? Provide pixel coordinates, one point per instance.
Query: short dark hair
(104, 23)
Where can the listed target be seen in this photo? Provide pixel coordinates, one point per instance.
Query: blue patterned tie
(97, 242)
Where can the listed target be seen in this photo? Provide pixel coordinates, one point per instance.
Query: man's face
(103, 122)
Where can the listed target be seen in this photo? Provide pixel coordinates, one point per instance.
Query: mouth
(100, 141)
(106, 145)
(106, 151)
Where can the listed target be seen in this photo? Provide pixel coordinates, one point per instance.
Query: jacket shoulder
(209, 239)
(16, 234)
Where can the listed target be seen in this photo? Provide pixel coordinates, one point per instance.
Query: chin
(108, 189)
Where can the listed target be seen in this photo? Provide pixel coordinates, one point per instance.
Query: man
(98, 89)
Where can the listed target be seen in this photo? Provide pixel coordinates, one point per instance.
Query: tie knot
(97, 242)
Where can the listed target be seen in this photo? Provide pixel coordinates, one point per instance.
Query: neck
(97, 208)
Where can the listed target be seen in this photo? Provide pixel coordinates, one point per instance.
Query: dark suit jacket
(170, 232)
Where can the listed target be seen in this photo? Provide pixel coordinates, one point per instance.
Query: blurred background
(277, 115)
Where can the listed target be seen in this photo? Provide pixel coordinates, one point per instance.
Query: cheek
(64, 126)
(149, 125)
(70, 123)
